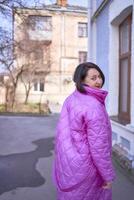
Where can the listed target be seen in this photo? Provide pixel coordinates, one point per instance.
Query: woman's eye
(93, 78)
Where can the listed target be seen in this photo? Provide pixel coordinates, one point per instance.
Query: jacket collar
(99, 94)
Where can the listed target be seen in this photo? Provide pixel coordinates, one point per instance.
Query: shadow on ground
(19, 170)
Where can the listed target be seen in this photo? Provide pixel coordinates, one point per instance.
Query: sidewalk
(123, 187)
(26, 155)
(55, 108)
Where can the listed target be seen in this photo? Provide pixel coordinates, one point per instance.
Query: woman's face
(93, 78)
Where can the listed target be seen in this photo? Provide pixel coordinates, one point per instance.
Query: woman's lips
(98, 86)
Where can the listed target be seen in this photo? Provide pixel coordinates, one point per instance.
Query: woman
(83, 167)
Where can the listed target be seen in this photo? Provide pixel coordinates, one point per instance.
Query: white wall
(118, 11)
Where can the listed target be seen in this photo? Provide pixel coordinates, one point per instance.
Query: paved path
(26, 154)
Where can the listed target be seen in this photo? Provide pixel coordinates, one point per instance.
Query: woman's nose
(98, 80)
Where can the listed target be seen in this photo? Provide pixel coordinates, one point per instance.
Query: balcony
(39, 28)
(39, 35)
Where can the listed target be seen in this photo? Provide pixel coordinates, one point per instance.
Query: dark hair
(81, 72)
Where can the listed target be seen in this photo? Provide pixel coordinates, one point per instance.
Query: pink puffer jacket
(83, 147)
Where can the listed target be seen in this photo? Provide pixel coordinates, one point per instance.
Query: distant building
(111, 46)
(52, 41)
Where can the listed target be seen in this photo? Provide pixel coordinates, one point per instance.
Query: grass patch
(2, 108)
(29, 108)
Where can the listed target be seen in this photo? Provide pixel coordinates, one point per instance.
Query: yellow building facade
(51, 42)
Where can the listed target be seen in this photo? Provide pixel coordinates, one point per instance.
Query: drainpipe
(89, 30)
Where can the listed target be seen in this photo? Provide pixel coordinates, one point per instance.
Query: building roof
(55, 7)
(68, 8)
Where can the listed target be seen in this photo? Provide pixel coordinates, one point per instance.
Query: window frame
(32, 23)
(38, 87)
(85, 31)
(124, 117)
(84, 60)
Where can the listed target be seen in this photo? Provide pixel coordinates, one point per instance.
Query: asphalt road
(26, 155)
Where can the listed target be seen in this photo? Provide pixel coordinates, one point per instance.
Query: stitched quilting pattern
(83, 148)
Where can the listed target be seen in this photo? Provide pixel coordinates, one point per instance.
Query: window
(82, 56)
(40, 23)
(36, 86)
(124, 69)
(39, 86)
(82, 29)
(125, 142)
(114, 136)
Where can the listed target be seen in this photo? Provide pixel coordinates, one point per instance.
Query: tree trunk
(27, 95)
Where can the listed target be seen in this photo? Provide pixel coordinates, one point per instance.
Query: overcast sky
(5, 22)
(71, 2)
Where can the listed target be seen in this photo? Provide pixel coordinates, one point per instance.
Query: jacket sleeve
(99, 140)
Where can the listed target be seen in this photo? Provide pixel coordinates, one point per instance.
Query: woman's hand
(107, 185)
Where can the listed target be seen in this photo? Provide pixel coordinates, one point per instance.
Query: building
(111, 31)
(3, 80)
(49, 42)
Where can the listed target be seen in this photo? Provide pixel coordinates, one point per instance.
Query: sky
(72, 2)
(4, 22)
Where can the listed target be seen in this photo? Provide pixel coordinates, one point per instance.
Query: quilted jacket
(83, 147)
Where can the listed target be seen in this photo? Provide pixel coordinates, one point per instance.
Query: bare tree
(7, 62)
(11, 48)
(36, 53)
